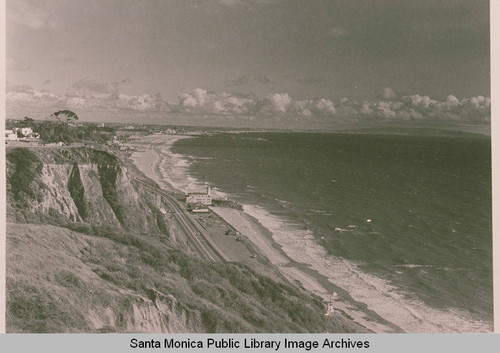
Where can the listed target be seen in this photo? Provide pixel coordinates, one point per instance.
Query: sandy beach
(146, 157)
(150, 152)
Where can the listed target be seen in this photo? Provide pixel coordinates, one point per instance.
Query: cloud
(26, 95)
(325, 106)
(27, 15)
(86, 94)
(337, 31)
(389, 93)
(279, 102)
(115, 101)
(200, 100)
(388, 107)
(275, 104)
(94, 95)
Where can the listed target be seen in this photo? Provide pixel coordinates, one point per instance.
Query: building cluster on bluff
(19, 133)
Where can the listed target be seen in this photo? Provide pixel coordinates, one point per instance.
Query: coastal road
(195, 234)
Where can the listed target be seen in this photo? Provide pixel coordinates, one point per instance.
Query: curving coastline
(370, 301)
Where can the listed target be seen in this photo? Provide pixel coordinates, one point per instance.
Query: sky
(327, 60)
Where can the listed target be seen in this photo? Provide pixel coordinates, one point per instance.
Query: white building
(10, 135)
(26, 131)
(200, 197)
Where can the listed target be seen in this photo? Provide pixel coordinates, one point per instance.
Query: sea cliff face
(78, 185)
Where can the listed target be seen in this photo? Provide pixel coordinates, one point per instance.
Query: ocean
(401, 222)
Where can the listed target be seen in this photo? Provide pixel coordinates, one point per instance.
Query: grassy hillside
(59, 280)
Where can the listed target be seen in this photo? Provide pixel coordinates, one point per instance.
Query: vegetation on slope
(26, 166)
(57, 278)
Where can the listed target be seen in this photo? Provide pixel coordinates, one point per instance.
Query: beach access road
(197, 237)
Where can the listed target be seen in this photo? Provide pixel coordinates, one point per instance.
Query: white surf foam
(380, 296)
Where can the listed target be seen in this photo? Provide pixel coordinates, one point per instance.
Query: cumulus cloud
(389, 107)
(417, 107)
(26, 95)
(389, 93)
(114, 101)
(326, 106)
(94, 95)
(279, 102)
(200, 100)
(86, 94)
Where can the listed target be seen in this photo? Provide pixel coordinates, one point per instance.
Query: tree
(64, 115)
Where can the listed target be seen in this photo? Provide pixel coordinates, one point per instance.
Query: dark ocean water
(412, 210)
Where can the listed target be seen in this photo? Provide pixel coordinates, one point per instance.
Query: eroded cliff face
(78, 185)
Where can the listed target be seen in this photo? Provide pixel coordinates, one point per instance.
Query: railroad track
(196, 235)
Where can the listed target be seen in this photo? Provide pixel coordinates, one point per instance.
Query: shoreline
(146, 158)
(366, 306)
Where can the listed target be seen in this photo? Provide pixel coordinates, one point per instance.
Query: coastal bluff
(77, 185)
(90, 250)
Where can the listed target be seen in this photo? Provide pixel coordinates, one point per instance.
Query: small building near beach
(199, 197)
(204, 198)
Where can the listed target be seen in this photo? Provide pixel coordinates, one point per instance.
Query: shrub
(26, 167)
